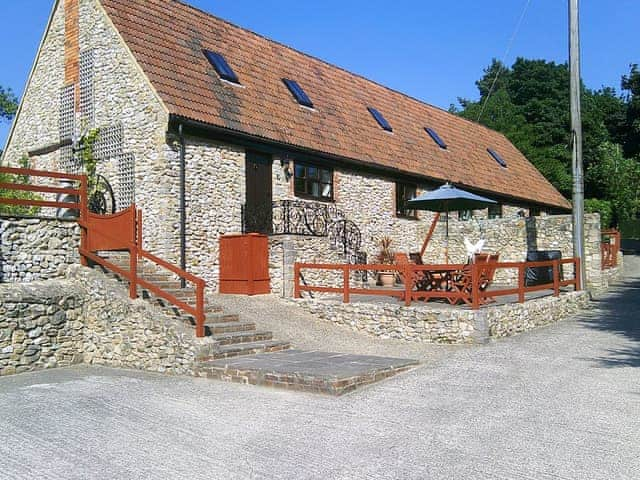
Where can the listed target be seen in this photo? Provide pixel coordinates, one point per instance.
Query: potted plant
(386, 257)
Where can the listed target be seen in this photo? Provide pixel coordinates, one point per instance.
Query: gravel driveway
(562, 402)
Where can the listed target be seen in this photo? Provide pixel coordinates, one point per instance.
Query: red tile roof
(167, 38)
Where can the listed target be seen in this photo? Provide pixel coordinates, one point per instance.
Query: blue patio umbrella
(448, 198)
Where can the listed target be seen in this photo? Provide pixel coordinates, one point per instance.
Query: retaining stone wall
(433, 324)
(40, 326)
(89, 318)
(37, 248)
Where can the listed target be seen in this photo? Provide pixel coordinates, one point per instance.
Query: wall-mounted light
(287, 168)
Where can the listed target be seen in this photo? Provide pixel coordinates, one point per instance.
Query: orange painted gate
(244, 264)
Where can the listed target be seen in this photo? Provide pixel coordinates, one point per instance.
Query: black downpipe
(183, 209)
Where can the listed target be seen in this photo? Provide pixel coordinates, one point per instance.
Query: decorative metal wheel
(101, 198)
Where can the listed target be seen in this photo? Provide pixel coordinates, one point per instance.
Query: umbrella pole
(446, 238)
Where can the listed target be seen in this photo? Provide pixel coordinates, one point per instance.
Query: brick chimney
(72, 46)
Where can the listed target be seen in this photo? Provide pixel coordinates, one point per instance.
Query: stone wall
(120, 332)
(438, 324)
(89, 318)
(37, 248)
(40, 326)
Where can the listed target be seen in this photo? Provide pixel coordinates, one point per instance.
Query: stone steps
(316, 372)
(233, 337)
(242, 349)
(229, 327)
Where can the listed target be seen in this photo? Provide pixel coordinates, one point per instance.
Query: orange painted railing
(457, 290)
(609, 248)
(80, 192)
(123, 231)
(118, 232)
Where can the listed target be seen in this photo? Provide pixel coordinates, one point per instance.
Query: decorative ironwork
(313, 219)
(101, 199)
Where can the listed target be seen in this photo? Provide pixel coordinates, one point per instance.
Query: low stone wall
(514, 318)
(439, 324)
(40, 326)
(34, 249)
(89, 318)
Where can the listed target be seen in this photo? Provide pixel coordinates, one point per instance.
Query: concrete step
(316, 372)
(233, 338)
(229, 327)
(251, 348)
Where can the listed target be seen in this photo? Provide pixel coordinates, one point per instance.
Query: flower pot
(387, 279)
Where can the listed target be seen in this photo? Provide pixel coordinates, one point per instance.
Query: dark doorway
(257, 211)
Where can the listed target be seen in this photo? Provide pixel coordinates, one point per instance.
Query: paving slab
(313, 371)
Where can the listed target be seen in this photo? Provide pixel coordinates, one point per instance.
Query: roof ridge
(343, 69)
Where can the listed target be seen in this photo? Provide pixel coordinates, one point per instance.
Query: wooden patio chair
(418, 279)
(463, 281)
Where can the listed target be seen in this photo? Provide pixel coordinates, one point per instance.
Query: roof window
(380, 119)
(221, 66)
(496, 156)
(298, 93)
(436, 138)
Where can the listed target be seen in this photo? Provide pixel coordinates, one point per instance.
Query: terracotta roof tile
(167, 38)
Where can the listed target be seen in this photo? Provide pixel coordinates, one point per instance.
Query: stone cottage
(212, 129)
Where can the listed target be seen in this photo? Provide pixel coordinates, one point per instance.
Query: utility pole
(576, 137)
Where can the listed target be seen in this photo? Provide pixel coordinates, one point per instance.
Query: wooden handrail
(38, 188)
(40, 173)
(475, 297)
(87, 222)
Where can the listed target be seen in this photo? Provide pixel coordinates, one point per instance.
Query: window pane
(326, 176)
(312, 172)
(315, 189)
(299, 185)
(326, 191)
(299, 171)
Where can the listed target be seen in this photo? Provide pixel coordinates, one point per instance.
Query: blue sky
(431, 49)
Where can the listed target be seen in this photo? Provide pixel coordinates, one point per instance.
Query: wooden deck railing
(463, 282)
(609, 248)
(119, 232)
(80, 192)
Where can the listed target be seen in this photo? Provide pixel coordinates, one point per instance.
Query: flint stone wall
(40, 326)
(88, 318)
(430, 324)
(37, 248)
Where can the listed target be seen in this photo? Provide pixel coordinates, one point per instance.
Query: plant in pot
(386, 257)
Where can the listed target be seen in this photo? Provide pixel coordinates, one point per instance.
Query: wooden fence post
(200, 317)
(475, 287)
(345, 281)
(408, 283)
(84, 209)
(296, 280)
(133, 271)
(577, 272)
(521, 271)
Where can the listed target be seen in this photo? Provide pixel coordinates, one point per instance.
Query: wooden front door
(258, 213)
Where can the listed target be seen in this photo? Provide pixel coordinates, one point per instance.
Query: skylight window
(221, 66)
(436, 138)
(298, 93)
(496, 156)
(380, 119)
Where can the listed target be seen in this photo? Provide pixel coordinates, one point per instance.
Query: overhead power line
(504, 58)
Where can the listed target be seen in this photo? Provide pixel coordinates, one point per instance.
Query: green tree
(8, 104)
(618, 180)
(530, 105)
(631, 84)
